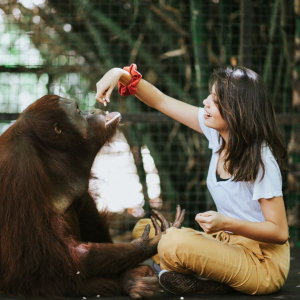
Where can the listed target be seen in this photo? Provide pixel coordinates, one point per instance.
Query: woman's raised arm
(180, 111)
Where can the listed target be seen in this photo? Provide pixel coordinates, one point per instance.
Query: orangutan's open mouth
(111, 117)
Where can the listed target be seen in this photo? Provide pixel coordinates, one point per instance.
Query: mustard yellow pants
(248, 266)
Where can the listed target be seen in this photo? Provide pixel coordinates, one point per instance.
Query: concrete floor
(291, 289)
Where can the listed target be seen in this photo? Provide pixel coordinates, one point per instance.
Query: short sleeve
(210, 134)
(271, 185)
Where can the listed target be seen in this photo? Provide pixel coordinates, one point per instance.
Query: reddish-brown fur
(52, 251)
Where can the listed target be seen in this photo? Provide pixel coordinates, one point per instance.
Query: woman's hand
(106, 85)
(211, 221)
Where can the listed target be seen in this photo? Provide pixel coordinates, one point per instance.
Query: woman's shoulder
(266, 152)
(270, 164)
(211, 134)
(265, 149)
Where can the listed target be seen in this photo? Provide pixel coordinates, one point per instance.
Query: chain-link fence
(64, 47)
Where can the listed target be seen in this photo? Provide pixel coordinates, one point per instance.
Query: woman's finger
(100, 96)
(203, 227)
(108, 94)
(201, 219)
(208, 213)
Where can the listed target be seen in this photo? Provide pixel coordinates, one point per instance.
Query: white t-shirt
(239, 199)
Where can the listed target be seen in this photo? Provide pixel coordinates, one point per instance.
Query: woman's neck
(225, 135)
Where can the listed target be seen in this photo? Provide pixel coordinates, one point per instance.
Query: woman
(244, 244)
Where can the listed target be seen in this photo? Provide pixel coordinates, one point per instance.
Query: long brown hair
(246, 107)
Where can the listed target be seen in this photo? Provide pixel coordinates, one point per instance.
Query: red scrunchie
(131, 88)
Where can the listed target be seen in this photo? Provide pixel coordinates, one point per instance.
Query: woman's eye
(216, 102)
(215, 98)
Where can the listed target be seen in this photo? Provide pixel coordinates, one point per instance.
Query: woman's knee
(173, 252)
(172, 242)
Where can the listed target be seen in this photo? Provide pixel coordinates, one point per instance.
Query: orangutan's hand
(164, 224)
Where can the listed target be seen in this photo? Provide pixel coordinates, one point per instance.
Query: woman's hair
(244, 103)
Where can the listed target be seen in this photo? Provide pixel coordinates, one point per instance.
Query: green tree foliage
(176, 44)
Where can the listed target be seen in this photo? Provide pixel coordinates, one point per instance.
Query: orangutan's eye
(77, 107)
(57, 129)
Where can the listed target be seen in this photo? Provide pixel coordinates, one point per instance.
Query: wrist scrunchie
(131, 88)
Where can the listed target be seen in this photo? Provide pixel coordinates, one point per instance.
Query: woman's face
(212, 116)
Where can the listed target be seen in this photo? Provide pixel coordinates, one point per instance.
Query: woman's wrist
(129, 81)
(125, 77)
(227, 223)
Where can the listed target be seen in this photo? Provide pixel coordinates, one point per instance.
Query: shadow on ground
(291, 289)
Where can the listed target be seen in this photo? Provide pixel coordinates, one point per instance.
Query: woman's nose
(205, 103)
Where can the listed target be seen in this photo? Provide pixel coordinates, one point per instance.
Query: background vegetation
(64, 47)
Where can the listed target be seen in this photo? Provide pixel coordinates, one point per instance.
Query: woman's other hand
(211, 221)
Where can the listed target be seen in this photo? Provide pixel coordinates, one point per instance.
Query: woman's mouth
(207, 115)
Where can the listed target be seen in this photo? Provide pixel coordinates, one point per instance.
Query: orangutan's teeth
(112, 118)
